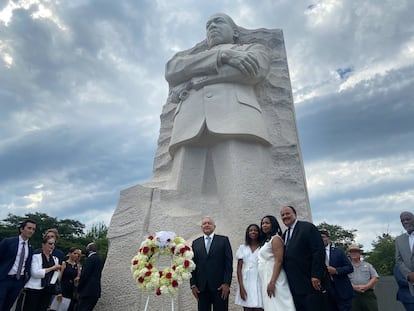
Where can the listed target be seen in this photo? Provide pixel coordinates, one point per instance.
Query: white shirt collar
(211, 235)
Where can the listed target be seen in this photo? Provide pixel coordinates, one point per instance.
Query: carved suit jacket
(219, 98)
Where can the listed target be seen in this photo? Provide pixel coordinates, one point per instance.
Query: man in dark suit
(339, 266)
(15, 261)
(304, 262)
(211, 279)
(89, 287)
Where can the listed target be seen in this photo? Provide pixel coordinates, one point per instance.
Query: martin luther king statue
(228, 148)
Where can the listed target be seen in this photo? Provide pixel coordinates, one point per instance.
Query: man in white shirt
(15, 260)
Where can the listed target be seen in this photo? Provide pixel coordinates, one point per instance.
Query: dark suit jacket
(304, 258)
(90, 279)
(341, 284)
(214, 268)
(8, 253)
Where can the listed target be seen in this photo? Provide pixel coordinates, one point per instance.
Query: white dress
(251, 281)
(283, 300)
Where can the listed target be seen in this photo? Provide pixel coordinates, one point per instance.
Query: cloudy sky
(82, 87)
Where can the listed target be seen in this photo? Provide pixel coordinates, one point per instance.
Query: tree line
(72, 232)
(382, 255)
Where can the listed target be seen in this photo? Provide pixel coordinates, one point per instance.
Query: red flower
(183, 250)
(148, 273)
(168, 275)
(158, 292)
(145, 249)
(174, 267)
(174, 283)
(153, 249)
(173, 249)
(150, 237)
(141, 279)
(186, 263)
(149, 266)
(135, 262)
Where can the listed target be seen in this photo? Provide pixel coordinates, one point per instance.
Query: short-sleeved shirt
(362, 273)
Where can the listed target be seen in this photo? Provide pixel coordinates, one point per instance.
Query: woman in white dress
(249, 291)
(275, 288)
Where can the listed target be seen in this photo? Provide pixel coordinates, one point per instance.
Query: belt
(14, 276)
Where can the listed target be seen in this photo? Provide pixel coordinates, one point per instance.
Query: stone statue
(228, 148)
(218, 123)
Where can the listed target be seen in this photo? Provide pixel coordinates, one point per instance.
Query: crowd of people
(298, 269)
(45, 278)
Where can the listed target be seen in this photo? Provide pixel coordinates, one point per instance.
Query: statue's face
(219, 31)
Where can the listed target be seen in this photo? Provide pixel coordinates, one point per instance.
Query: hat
(324, 232)
(354, 247)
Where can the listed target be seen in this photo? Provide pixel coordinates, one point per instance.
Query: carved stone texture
(278, 179)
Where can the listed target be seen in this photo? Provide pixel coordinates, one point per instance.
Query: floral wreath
(167, 281)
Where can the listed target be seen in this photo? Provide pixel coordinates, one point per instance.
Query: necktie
(287, 236)
(20, 266)
(208, 243)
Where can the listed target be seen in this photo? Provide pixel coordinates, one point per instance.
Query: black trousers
(36, 300)
(311, 302)
(208, 298)
(87, 303)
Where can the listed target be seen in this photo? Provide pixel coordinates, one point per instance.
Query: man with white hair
(404, 246)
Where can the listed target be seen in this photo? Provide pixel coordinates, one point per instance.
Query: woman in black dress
(70, 275)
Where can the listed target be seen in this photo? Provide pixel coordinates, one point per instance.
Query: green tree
(71, 231)
(382, 256)
(339, 236)
(98, 234)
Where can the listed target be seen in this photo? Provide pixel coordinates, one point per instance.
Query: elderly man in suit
(218, 121)
(15, 261)
(404, 246)
(89, 287)
(211, 279)
(339, 266)
(304, 262)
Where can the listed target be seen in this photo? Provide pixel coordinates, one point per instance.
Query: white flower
(148, 276)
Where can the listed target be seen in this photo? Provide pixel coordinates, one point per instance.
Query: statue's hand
(241, 60)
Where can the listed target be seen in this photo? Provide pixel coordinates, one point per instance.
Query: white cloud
(81, 96)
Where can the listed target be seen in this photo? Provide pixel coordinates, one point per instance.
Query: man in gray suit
(404, 249)
(218, 124)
